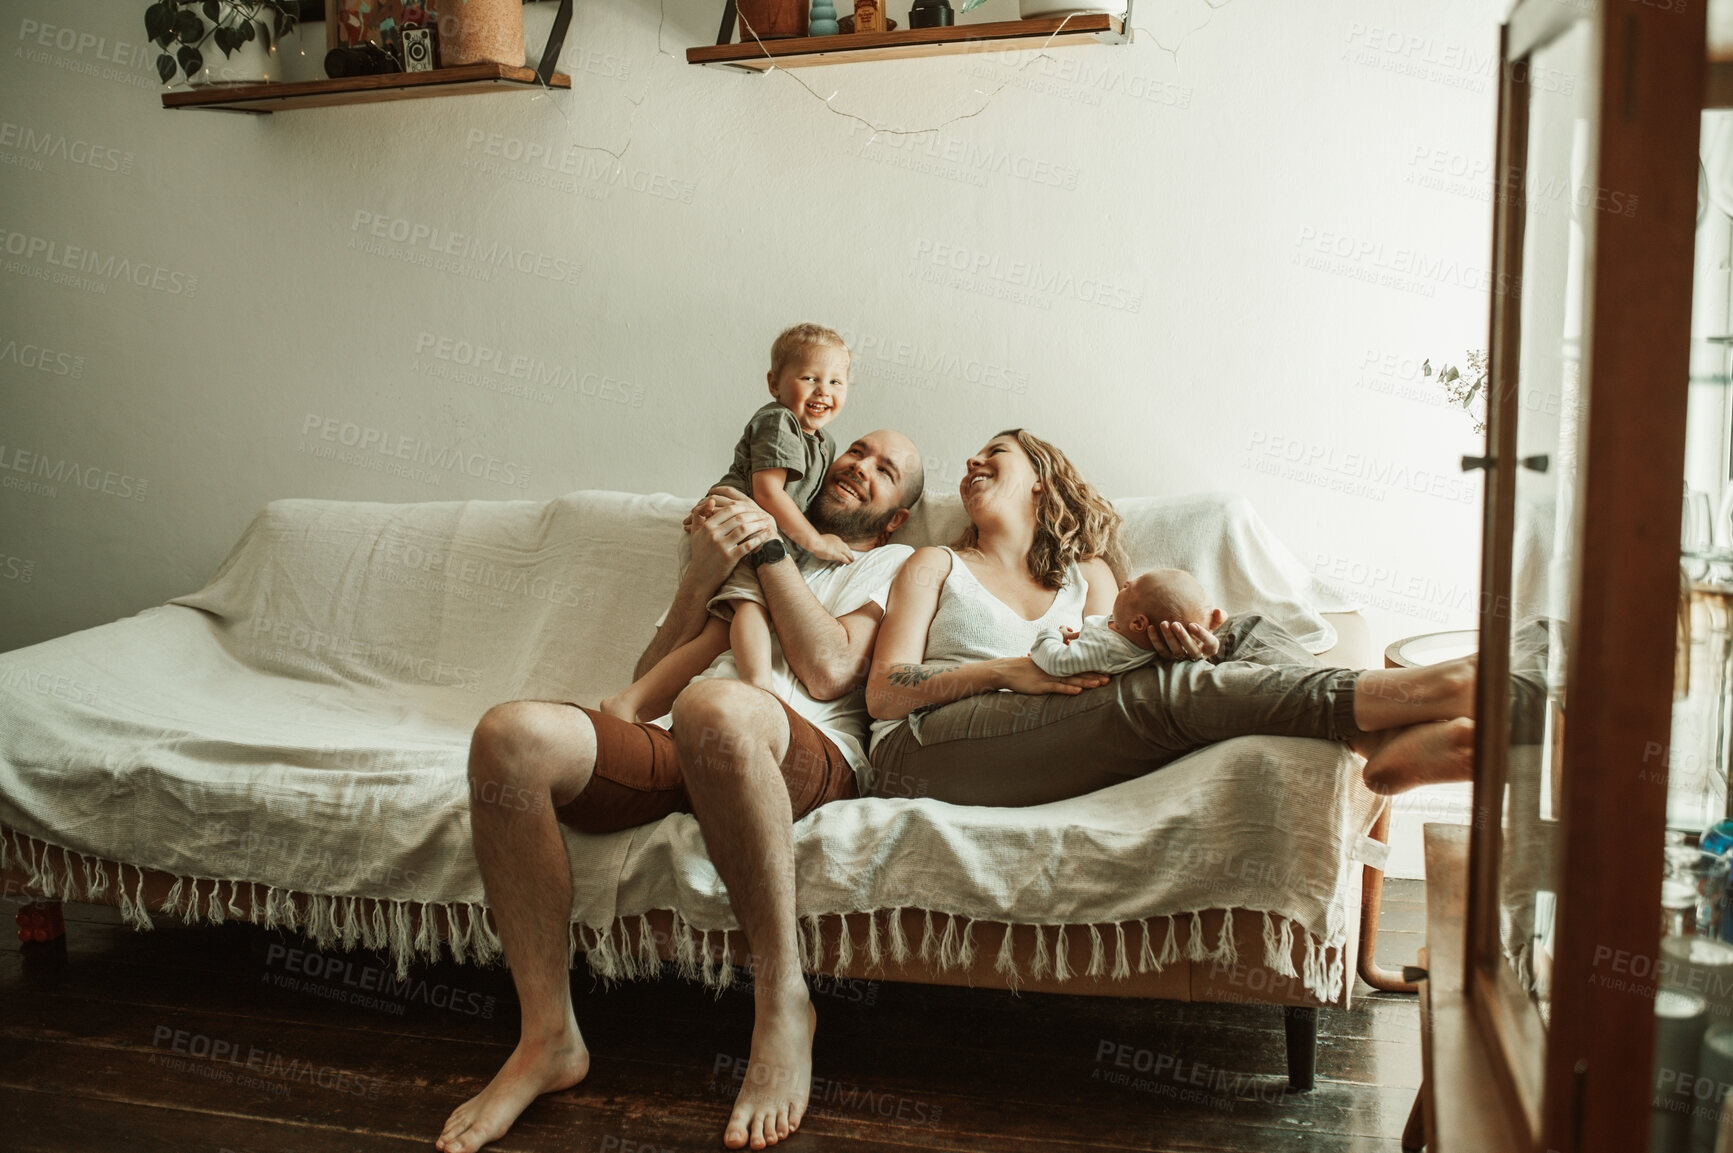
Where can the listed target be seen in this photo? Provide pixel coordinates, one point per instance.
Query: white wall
(1240, 178)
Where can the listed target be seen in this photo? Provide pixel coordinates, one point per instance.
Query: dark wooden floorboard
(53, 1123)
(89, 1060)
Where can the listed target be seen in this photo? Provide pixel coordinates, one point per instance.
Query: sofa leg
(1371, 904)
(1301, 1023)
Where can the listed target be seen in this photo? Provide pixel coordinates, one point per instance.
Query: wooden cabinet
(1546, 1042)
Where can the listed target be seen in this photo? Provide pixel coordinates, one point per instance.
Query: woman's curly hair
(1073, 522)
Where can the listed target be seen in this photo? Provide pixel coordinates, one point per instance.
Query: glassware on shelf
(1709, 876)
(1697, 754)
(1705, 875)
(1696, 533)
(1724, 515)
(1717, 838)
(1680, 1021)
(1678, 908)
(1714, 1072)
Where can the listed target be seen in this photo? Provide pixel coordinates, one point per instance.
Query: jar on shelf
(481, 32)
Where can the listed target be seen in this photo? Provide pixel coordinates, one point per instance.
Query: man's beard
(855, 524)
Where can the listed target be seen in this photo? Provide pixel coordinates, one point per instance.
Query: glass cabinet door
(1538, 412)
(1549, 413)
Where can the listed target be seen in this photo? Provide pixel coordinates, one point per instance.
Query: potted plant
(246, 32)
(1463, 387)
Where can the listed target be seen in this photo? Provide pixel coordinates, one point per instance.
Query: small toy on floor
(40, 921)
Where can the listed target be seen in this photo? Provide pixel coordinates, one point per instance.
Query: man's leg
(526, 758)
(1384, 698)
(732, 740)
(1256, 638)
(1414, 724)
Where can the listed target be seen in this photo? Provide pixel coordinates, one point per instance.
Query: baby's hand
(831, 547)
(1067, 634)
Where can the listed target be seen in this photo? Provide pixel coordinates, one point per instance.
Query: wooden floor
(204, 1039)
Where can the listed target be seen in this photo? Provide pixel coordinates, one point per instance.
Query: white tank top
(971, 624)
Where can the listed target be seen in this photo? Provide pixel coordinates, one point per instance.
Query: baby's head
(1163, 594)
(808, 376)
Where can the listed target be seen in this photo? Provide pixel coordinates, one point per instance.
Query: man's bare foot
(619, 705)
(1368, 744)
(529, 1072)
(1428, 754)
(772, 1102)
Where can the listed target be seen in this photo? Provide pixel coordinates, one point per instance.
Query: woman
(1042, 550)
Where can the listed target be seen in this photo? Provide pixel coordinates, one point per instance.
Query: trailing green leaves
(228, 24)
(1464, 388)
(159, 22)
(188, 27)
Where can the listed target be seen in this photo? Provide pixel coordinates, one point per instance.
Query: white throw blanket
(300, 726)
(1216, 536)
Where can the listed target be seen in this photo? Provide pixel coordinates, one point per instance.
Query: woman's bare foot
(1427, 754)
(1395, 698)
(531, 1070)
(619, 705)
(772, 1102)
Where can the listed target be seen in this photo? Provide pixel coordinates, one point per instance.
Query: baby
(781, 460)
(1113, 644)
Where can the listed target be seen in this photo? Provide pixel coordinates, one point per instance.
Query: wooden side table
(1407, 653)
(1431, 648)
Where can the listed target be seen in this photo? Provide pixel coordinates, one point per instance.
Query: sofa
(287, 746)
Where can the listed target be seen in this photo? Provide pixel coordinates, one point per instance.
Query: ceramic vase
(249, 63)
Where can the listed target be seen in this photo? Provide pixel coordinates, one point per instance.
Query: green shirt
(774, 439)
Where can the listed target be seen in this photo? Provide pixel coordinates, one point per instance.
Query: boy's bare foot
(531, 1070)
(1428, 754)
(773, 1099)
(620, 706)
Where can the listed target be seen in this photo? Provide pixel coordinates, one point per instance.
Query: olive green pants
(1012, 749)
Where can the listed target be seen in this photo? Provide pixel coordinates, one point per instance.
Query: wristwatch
(769, 552)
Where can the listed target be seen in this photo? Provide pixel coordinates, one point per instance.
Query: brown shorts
(637, 777)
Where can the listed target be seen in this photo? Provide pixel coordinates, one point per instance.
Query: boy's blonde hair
(798, 336)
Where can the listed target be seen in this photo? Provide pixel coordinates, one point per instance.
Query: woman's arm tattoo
(908, 676)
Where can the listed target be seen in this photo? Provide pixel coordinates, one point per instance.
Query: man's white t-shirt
(841, 589)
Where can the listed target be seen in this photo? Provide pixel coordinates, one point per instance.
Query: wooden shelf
(907, 43)
(267, 98)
